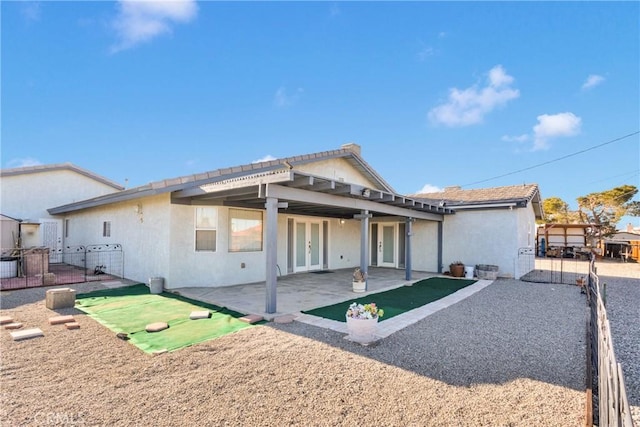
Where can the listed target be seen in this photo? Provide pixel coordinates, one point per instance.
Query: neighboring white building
(27, 192)
(490, 225)
(9, 231)
(320, 211)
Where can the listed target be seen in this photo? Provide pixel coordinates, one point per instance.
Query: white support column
(271, 251)
(439, 246)
(364, 244)
(407, 248)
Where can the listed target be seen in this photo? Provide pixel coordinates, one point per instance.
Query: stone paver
(26, 334)
(13, 325)
(58, 320)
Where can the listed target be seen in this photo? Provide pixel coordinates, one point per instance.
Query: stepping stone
(156, 327)
(58, 320)
(5, 319)
(199, 315)
(251, 318)
(26, 334)
(14, 325)
(72, 325)
(289, 318)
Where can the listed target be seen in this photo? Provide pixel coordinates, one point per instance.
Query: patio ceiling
(304, 194)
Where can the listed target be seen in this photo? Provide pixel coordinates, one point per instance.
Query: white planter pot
(359, 286)
(362, 330)
(8, 269)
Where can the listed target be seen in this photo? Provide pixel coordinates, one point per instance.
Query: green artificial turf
(399, 300)
(130, 309)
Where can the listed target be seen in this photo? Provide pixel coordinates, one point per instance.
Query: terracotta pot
(456, 270)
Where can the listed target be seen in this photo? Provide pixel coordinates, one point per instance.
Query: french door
(308, 245)
(384, 248)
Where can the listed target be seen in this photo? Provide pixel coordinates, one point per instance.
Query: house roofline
(195, 180)
(59, 166)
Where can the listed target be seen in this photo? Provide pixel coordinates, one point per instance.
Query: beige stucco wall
(224, 268)
(336, 169)
(424, 250)
(141, 227)
(220, 268)
(28, 196)
(487, 237)
(8, 233)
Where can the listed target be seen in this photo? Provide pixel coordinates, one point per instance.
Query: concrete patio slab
(299, 292)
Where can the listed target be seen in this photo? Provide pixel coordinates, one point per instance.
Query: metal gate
(550, 270)
(29, 268)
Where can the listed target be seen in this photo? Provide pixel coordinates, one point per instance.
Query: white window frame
(234, 214)
(213, 213)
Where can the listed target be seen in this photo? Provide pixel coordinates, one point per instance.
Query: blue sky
(436, 93)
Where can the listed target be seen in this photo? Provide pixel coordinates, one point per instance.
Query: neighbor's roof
(260, 170)
(56, 167)
(456, 197)
(623, 236)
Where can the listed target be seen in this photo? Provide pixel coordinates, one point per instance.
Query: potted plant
(456, 269)
(362, 321)
(359, 280)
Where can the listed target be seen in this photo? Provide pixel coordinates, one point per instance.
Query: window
(66, 228)
(245, 230)
(206, 225)
(106, 229)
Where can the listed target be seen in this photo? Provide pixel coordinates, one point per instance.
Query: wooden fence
(605, 381)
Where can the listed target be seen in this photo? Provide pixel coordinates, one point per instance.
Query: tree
(633, 208)
(607, 207)
(557, 211)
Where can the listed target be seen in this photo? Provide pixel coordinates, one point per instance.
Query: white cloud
(141, 21)
(428, 188)
(266, 158)
(469, 106)
(518, 138)
(282, 99)
(554, 126)
(24, 162)
(592, 81)
(425, 52)
(31, 11)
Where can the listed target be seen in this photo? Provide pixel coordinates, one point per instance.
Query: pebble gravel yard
(512, 354)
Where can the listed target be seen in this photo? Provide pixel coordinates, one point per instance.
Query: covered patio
(299, 292)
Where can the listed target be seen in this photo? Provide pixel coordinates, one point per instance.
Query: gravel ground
(623, 309)
(512, 354)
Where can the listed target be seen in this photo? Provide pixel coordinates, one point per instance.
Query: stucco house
(27, 192)
(320, 211)
(490, 225)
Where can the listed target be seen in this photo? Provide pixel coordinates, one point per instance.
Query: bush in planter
(359, 280)
(362, 321)
(456, 269)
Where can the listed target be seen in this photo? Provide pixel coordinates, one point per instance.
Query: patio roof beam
(298, 195)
